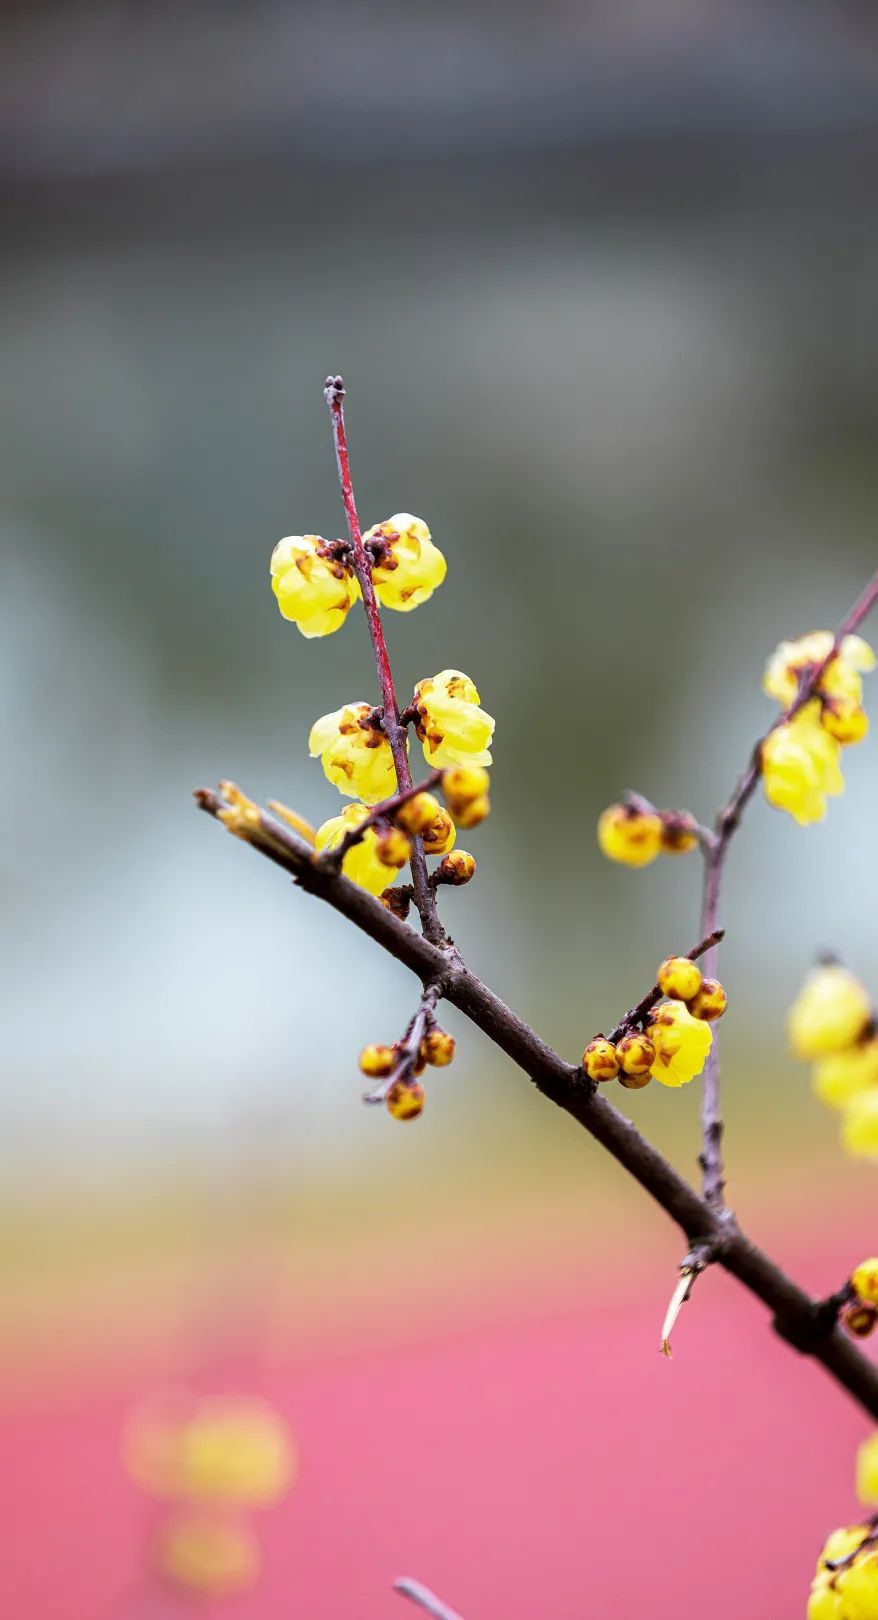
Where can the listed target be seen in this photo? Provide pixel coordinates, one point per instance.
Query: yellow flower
(865, 1281)
(409, 567)
(681, 1044)
(793, 659)
(208, 1555)
(450, 724)
(630, 835)
(216, 1450)
(441, 834)
(313, 589)
(839, 1078)
(800, 766)
(859, 1128)
(830, 1012)
(849, 1593)
(362, 863)
(355, 753)
(845, 720)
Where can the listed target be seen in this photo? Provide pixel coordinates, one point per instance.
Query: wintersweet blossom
(354, 752)
(850, 1593)
(681, 1044)
(408, 567)
(792, 661)
(630, 834)
(830, 1012)
(859, 1126)
(363, 862)
(452, 727)
(839, 1078)
(800, 766)
(314, 589)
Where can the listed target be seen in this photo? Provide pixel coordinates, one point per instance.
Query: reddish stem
(395, 732)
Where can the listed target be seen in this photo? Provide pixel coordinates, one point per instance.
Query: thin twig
(425, 897)
(728, 821)
(652, 998)
(410, 1045)
(425, 1599)
(795, 1316)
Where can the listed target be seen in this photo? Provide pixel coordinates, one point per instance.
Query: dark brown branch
(796, 1317)
(424, 1598)
(652, 998)
(425, 897)
(715, 850)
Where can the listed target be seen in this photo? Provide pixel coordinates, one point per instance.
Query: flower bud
(859, 1319)
(679, 832)
(405, 1099)
(679, 978)
(636, 1055)
(419, 813)
(463, 783)
(710, 1002)
(634, 1082)
(392, 847)
(440, 835)
(437, 1048)
(630, 834)
(865, 1281)
(378, 1061)
(471, 814)
(599, 1059)
(458, 867)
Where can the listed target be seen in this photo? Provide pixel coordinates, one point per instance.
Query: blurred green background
(601, 281)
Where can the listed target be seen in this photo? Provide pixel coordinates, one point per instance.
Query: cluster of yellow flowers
(316, 587)
(832, 1024)
(675, 1037)
(214, 1459)
(801, 757)
(405, 1096)
(634, 832)
(845, 1585)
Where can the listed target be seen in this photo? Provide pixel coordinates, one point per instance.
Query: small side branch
(634, 1018)
(383, 811)
(409, 1047)
(421, 1595)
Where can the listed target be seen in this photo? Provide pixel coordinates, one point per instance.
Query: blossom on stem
(630, 833)
(830, 1013)
(681, 1043)
(800, 766)
(793, 661)
(849, 1593)
(363, 863)
(452, 727)
(841, 1076)
(407, 567)
(314, 589)
(354, 752)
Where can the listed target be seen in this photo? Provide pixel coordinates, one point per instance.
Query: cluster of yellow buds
(375, 859)
(214, 1460)
(831, 1023)
(316, 587)
(845, 1584)
(675, 1037)
(633, 832)
(405, 1096)
(800, 758)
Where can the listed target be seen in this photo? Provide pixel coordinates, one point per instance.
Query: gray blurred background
(601, 280)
